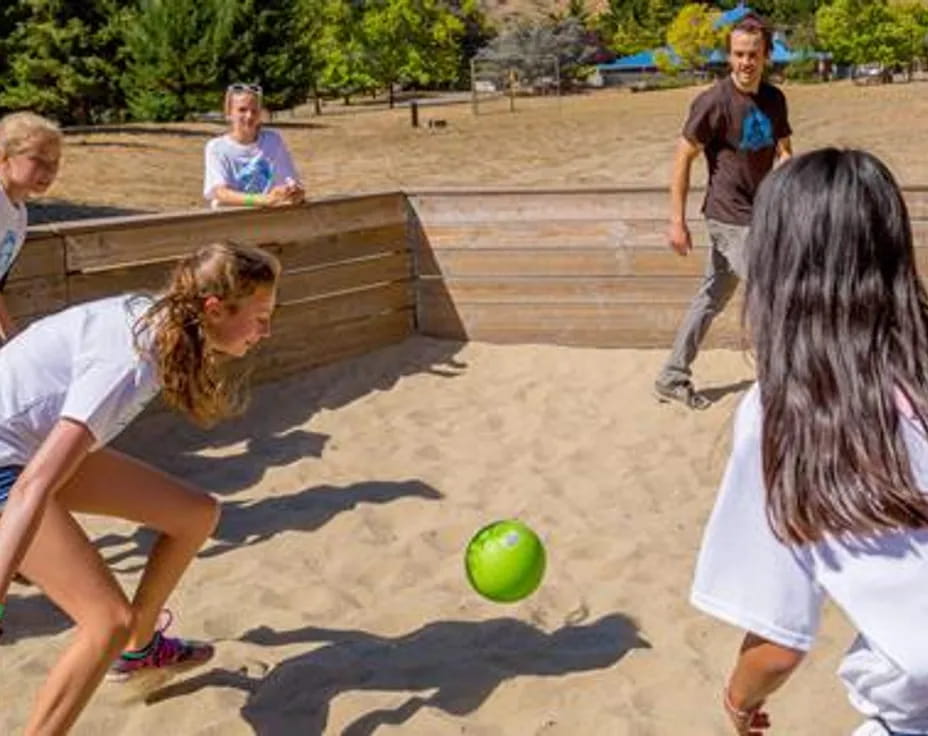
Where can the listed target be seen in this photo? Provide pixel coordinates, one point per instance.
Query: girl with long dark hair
(824, 493)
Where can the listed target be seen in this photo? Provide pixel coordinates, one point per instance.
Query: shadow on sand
(454, 665)
(246, 523)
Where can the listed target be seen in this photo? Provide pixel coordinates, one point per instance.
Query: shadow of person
(461, 662)
(32, 615)
(244, 523)
(271, 432)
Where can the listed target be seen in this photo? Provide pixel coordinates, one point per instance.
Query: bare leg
(67, 567)
(109, 483)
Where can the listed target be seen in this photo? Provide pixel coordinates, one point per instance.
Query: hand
(278, 196)
(749, 722)
(296, 191)
(679, 236)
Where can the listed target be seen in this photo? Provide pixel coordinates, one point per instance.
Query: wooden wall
(346, 286)
(570, 267)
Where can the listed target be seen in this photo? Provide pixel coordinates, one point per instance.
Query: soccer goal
(496, 82)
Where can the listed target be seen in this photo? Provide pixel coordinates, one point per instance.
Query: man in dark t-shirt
(741, 126)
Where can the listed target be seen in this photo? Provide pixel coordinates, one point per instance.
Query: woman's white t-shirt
(747, 577)
(12, 234)
(82, 364)
(252, 168)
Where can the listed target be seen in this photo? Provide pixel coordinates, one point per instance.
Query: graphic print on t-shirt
(756, 130)
(254, 175)
(7, 251)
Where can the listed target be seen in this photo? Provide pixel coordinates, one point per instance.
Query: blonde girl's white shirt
(748, 578)
(252, 168)
(81, 364)
(12, 233)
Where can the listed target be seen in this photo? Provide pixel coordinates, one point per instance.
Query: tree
(861, 31)
(272, 44)
(176, 50)
(528, 47)
(65, 59)
(693, 36)
(341, 50)
(410, 41)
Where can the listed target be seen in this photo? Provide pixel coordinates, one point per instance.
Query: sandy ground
(334, 587)
(607, 138)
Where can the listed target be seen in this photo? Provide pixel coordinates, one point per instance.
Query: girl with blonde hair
(30, 148)
(69, 383)
(249, 165)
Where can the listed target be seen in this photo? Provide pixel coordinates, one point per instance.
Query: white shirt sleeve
(744, 574)
(217, 169)
(105, 396)
(283, 161)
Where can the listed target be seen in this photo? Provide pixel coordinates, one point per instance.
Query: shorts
(8, 476)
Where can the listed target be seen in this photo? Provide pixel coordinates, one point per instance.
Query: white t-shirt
(12, 233)
(745, 576)
(80, 363)
(253, 168)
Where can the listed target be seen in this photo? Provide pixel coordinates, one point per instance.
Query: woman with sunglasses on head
(249, 166)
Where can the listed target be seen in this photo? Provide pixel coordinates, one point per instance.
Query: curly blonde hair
(195, 380)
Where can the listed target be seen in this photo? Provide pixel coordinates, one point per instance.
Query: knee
(110, 623)
(206, 516)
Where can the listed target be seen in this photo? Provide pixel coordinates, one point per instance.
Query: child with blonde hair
(69, 383)
(30, 148)
(249, 165)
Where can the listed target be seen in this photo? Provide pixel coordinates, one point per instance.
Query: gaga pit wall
(586, 268)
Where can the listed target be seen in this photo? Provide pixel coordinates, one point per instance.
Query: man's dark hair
(751, 23)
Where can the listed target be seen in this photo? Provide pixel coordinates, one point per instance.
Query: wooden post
(414, 113)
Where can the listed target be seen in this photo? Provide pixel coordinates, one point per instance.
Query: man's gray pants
(725, 266)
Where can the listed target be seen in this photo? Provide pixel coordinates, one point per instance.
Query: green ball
(505, 561)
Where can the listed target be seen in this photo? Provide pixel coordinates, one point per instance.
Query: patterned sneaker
(682, 392)
(163, 651)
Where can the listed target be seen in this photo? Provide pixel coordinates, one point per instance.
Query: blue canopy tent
(642, 61)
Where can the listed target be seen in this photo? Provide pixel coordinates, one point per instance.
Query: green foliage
(176, 50)
(64, 58)
(636, 25)
(862, 31)
(410, 41)
(692, 35)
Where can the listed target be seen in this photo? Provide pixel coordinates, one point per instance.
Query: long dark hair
(839, 323)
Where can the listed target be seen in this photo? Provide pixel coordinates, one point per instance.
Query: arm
(279, 195)
(761, 668)
(51, 467)
(7, 326)
(679, 233)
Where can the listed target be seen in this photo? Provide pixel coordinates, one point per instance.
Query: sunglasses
(240, 87)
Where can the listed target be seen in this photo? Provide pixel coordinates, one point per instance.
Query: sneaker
(162, 652)
(682, 392)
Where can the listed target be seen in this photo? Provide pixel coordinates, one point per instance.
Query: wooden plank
(532, 205)
(294, 285)
(152, 239)
(561, 234)
(41, 255)
(298, 285)
(507, 262)
(562, 290)
(371, 301)
(449, 208)
(294, 349)
(589, 325)
(34, 297)
(341, 246)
